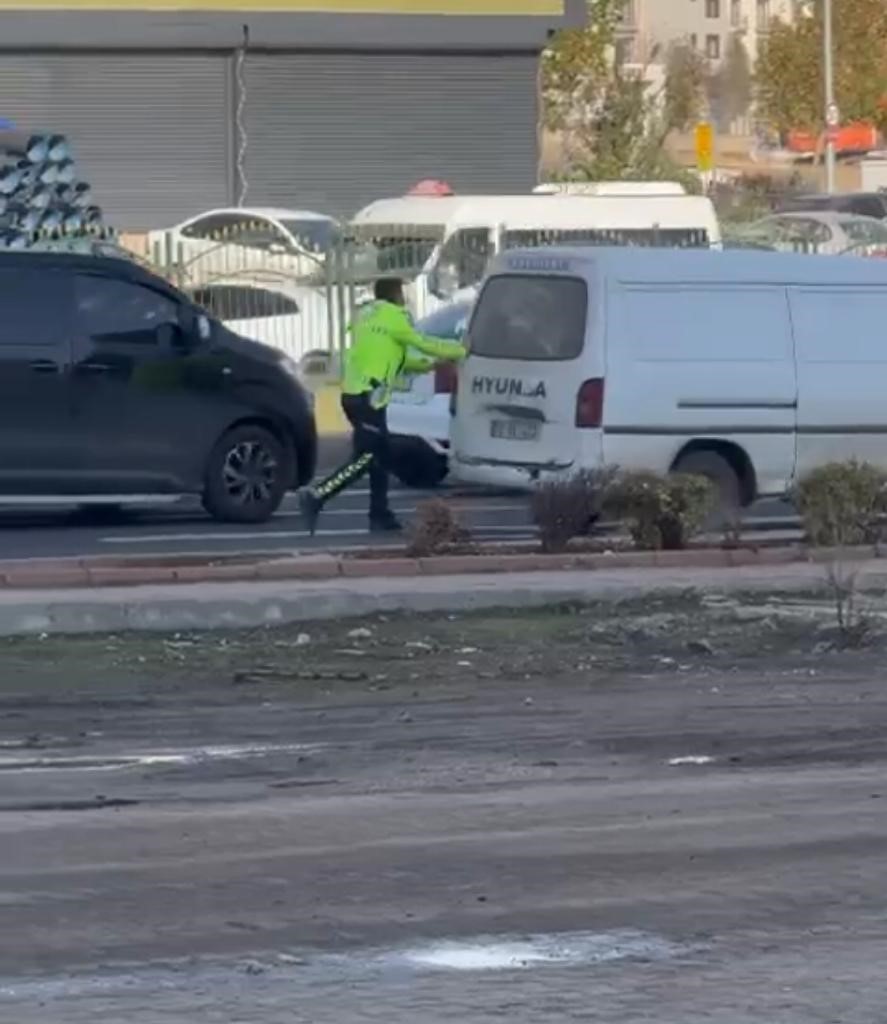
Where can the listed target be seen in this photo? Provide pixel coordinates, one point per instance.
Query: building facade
(649, 26)
(175, 106)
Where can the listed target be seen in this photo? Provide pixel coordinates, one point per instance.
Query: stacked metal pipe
(42, 199)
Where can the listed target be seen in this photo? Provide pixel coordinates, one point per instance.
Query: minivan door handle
(44, 366)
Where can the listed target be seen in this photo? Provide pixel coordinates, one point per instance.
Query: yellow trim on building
(465, 8)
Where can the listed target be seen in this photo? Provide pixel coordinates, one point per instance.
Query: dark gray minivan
(115, 388)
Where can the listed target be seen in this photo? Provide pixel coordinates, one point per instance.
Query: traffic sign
(705, 146)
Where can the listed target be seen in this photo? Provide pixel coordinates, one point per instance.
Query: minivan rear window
(530, 316)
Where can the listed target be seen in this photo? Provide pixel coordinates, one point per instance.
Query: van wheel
(246, 476)
(726, 481)
(417, 465)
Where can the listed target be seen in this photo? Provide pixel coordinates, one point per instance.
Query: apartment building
(649, 26)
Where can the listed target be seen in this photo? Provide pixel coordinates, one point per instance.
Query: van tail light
(445, 376)
(590, 403)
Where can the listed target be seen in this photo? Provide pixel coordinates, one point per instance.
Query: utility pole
(832, 114)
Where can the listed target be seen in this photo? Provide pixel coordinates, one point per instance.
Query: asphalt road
(545, 817)
(185, 529)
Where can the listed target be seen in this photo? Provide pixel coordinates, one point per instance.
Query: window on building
(763, 15)
(694, 40)
(713, 47)
(712, 8)
(735, 13)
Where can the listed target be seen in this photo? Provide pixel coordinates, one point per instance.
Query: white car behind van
(752, 368)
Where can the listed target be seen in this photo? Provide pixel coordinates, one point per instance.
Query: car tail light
(445, 377)
(590, 403)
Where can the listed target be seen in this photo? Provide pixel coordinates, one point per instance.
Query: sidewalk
(200, 606)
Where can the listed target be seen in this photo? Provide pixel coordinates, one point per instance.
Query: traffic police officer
(380, 353)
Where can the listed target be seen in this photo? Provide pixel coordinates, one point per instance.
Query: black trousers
(370, 454)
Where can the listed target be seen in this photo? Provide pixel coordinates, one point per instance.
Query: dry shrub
(436, 530)
(567, 507)
(662, 512)
(843, 503)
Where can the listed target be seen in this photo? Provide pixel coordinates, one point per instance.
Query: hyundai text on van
(751, 368)
(116, 388)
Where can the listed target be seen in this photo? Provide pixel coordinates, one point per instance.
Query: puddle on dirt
(277, 971)
(494, 954)
(150, 759)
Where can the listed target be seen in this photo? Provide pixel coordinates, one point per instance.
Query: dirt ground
(665, 810)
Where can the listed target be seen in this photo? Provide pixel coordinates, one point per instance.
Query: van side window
(124, 310)
(36, 306)
(530, 316)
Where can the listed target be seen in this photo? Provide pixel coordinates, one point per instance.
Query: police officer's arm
(437, 348)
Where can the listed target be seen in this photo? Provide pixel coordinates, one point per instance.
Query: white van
(751, 368)
(444, 244)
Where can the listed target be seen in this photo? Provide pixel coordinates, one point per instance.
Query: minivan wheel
(416, 464)
(246, 476)
(726, 481)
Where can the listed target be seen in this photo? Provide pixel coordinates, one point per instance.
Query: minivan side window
(35, 306)
(108, 308)
(530, 316)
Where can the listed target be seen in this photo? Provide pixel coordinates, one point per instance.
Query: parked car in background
(116, 389)
(232, 240)
(864, 204)
(820, 232)
(289, 317)
(419, 418)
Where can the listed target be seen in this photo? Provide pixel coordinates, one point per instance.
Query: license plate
(515, 430)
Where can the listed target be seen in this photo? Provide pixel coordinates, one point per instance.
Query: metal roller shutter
(151, 132)
(332, 132)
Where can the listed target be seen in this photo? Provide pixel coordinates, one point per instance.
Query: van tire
(247, 474)
(726, 481)
(416, 464)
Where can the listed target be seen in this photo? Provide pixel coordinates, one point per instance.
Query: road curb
(203, 606)
(139, 571)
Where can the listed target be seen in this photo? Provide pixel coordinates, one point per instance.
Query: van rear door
(517, 399)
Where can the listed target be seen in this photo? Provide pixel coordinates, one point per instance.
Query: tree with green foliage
(685, 80)
(789, 73)
(614, 121)
(730, 87)
(577, 62)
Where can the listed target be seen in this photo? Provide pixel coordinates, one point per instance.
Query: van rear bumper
(510, 477)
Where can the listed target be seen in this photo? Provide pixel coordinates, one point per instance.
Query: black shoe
(387, 522)
(309, 505)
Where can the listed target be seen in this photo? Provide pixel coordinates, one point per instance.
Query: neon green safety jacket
(382, 337)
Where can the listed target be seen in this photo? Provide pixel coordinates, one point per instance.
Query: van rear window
(530, 316)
